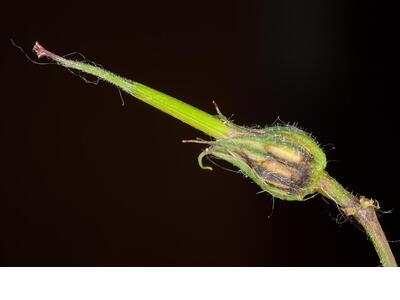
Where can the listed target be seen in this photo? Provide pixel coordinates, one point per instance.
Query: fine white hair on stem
(27, 56)
(122, 98)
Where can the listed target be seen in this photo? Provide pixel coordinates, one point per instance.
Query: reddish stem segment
(363, 211)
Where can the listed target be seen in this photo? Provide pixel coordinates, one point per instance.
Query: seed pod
(284, 160)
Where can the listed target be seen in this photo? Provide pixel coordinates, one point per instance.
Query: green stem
(363, 211)
(170, 105)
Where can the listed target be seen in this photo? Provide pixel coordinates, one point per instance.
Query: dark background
(87, 182)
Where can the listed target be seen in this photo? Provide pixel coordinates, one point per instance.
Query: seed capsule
(284, 160)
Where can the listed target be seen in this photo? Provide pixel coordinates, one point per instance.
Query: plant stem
(170, 105)
(363, 211)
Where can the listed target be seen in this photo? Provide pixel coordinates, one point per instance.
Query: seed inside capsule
(278, 168)
(285, 154)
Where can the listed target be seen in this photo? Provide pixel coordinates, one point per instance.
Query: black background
(87, 182)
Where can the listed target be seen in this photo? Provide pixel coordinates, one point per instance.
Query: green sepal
(295, 155)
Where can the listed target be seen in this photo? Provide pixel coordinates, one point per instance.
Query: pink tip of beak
(39, 50)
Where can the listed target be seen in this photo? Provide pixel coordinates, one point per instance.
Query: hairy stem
(363, 211)
(170, 105)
